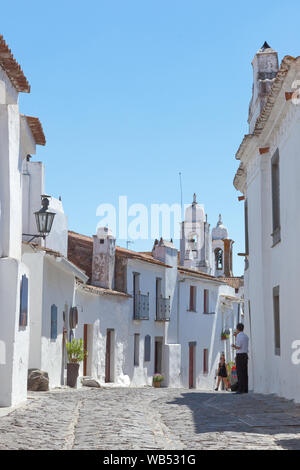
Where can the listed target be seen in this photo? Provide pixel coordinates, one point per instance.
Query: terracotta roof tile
(101, 290)
(12, 68)
(235, 282)
(36, 129)
(194, 272)
(80, 251)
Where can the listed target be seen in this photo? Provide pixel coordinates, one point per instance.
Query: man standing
(241, 359)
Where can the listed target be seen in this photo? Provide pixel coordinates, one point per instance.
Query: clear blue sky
(132, 92)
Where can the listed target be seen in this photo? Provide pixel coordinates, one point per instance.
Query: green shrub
(158, 378)
(75, 350)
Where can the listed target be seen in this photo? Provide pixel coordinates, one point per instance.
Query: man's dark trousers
(242, 372)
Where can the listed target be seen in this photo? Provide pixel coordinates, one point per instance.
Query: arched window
(219, 258)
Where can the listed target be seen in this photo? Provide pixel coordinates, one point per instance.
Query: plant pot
(72, 373)
(156, 384)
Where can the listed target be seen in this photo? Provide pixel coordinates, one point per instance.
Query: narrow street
(151, 419)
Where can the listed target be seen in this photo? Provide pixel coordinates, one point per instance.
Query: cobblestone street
(149, 418)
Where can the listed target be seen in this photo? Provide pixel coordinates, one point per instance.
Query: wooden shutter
(53, 334)
(23, 320)
(73, 317)
(147, 352)
(276, 310)
(206, 301)
(205, 361)
(192, 298)
(136, 349)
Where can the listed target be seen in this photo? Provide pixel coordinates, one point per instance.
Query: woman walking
(222, 373)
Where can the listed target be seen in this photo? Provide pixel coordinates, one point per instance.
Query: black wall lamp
(44, 220)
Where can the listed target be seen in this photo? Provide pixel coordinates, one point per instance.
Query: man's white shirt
(242, 341)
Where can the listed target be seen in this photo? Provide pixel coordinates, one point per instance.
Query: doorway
(109, 356)
(158, 355)
(87, 346)
(192, 356)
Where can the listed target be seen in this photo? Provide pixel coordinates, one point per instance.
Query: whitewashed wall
(204, 330)
(102, 312)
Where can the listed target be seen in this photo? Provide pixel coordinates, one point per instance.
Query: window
(276, 311)
(193, 291)
(147, 351)
(53, 334)
(206, 301)
(136, 288)
(24, 301)
(205, 361)
(275, 197)
(219, 258)
(158, 295)
(136, 349)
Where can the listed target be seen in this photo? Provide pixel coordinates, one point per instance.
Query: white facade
(132, 307)
(272, 258)
(13, 338)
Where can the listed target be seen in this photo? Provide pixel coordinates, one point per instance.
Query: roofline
(79, 273)
(199, 274)
(71, 267)
(143, 258)
(123, 252)
(12, 68)
(101, 290)
(261, 121)
(36, 129)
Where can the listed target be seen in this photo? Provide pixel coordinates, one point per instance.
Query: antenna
(128, 242)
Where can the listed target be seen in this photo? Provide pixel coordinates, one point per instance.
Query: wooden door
(107, 358)
(191, 366)
(85, 347)
(158, 357)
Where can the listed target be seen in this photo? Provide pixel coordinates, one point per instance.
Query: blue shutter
(147, 351)
(24, 301)
(53, 322)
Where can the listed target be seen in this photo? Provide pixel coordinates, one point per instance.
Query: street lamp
(44, 219)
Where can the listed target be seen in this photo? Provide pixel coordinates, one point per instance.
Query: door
(85, 347)
(158, 356)
(108, 358)
(191, 366)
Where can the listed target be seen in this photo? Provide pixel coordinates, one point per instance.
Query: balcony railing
(141, 307)
(163, 309)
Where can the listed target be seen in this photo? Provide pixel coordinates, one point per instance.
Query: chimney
(103, 258)
(166, 252)
(265, 67)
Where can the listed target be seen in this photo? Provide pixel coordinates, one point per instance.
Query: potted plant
(225, 334)
(76, 354)
(157, 380)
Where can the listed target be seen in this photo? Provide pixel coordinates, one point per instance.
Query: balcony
(163, 310)
(141, 307)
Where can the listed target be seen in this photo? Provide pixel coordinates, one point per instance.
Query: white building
(268, 177)
(169, 320)
(17, 139)
(138, 313)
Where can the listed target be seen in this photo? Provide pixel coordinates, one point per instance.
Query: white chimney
(103, 258)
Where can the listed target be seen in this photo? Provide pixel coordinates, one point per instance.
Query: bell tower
(195, 245)
(221, 250)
